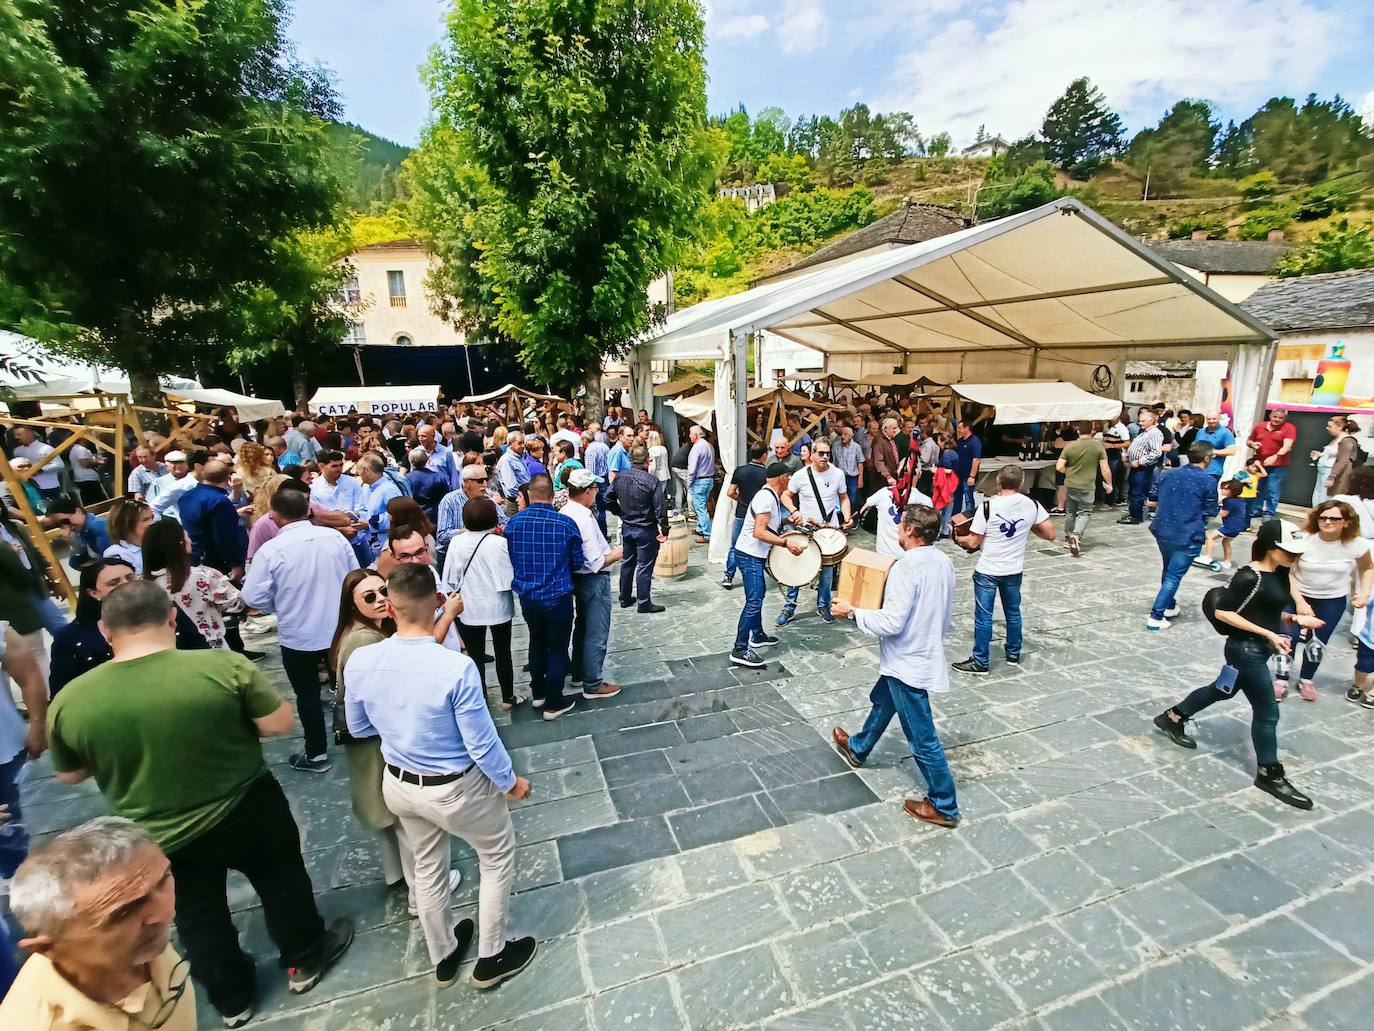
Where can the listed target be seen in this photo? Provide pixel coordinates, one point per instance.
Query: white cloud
(1005, 69)
(739, 26)
(801, 26)
(797, 26)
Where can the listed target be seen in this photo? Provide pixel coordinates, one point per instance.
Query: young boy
(1250, 480)
(1364, 665)
(1235, 517)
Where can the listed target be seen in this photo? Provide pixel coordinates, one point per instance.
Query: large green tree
(1179, 147)
(565, 167)
(1080, 130)
(153, 156)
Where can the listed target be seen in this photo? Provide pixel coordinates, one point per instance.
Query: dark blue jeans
(851, 486)
(1273, 487)
(986, 589)
(14, 836)
(911, 705)
(550, 623)
(603, 494)
(755, 587)
(1140, 489)
(731, 560)
(1178, 558)
(1329, 611)
(592, 627)
(637, 564)
(825, 587)
(1251, 660)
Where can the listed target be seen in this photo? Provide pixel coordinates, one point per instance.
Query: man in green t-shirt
(1082, 459)
(173, 740)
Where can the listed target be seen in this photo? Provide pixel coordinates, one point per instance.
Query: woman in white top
(127, 521)
(658, 456)
(1336, 557)
(1361, 499)
(1335, 461)
(478, 567)
(203, 593)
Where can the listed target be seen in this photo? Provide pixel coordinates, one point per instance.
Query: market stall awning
(375, 400)
(250, 409)
(700, 407)
(682, 385)
(1038, 401)
(503, 393)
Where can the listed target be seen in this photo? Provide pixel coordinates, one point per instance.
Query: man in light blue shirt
(446, 772)
(701, 477)
(511, 471)
(164, 494)
(1223, 443)
(619, 459)
(917, 611)
(378, 490)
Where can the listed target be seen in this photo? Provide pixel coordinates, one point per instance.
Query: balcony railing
(398, 302)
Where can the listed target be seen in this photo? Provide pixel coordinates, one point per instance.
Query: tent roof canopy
(501, 393)
(1038, 401)
(700, 407)
(1058, 277)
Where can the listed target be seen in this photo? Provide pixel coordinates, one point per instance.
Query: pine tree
(1080, 130)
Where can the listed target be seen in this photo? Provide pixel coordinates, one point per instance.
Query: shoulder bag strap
(825, 512)
(468, 564)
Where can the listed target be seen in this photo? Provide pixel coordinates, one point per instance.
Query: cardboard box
(863, 575)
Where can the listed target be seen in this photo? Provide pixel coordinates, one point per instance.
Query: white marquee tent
(1048, 294)
(375, 400)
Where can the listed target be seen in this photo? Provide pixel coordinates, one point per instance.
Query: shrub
(1186, 227)
(1259, 186)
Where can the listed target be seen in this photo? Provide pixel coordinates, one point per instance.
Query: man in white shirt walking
(591, 590)
(164, 493)
(299, 574)
(917, 610)
(48, 479)
(1001, 529)
(820, 494)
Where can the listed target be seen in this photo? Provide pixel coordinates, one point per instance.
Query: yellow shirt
(41, 999)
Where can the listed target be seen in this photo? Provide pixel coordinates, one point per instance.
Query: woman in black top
(1252, 606)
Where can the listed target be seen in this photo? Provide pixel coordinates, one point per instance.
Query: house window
(403, 340)
(356, 335)
(396, 287)
(1135, 386)
(349, 292)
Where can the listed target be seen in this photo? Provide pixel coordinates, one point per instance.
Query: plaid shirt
(597, 459)
(545, 548)
(1146, 448)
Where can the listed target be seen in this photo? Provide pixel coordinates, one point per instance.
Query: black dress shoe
(446, 971)
(492, 970)
(648, 606)
(625, 603)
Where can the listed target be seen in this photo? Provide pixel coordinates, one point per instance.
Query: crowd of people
(390, 553)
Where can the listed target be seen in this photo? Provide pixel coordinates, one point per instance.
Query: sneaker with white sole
(238, 1020)
(1073, 545)
(1157, 624)
(307, 764)
(455, 878)
(1171, 613)
(748, 657)
(553, 714)
(764, 641)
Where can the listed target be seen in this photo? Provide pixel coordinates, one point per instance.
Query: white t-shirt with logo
(1005, 533)
(765, 502)
(889, 516)
(1326, 569)
(830, 483)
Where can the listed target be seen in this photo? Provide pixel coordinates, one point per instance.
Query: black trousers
(303, 670)
(637, 564)
(259, 839)
(474, 640)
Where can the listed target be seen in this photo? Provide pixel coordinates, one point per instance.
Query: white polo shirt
(831, 485)
(765, 503)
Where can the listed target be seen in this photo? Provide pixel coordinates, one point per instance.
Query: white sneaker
(455, 878)
(1228, 566)
(1171, 613)
(1157, 624)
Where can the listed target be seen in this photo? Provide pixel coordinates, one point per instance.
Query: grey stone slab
(1343, 916)
(797, 765)
(1040, 965)
(1055, 824)
(699, 728)
(711, 869)
(1354, 830)
(720, 821)
(999, 841)
(1308, 860)
(563, 817)
(1115, 944)
(1171, 915)
(630, 890)
(1190, 835)
(965, 993)
(643, 1004)
(649, 798)
(986, 905)
(553, 785)
(731, 991)
(897, 937)
(1278, 961)
(619, 844)
(1090, 1014)
(554, 976)
(634, 769)
(1347, 1007)
(624, 951)
(825, 960)
(818, 895)
(548, 912)
(1062, 880)
(720, 923)
(733, 780)
(1183, 996)
(890, 1005)
(403, 1005)
(1237, 887)
(791, 847)
(881, 876)
(819, 797)
(552, 756)
(1127, 857)
(636, 739)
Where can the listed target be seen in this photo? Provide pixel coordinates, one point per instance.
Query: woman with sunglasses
(478, 566)
(127, 522)
(1336, 557)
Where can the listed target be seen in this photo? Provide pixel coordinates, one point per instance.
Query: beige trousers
(471, 808)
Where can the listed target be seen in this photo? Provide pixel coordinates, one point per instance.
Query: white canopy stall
(1038, 401)
(1055, 292)
(375, 400)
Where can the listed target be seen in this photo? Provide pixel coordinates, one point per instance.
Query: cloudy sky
(954, 64)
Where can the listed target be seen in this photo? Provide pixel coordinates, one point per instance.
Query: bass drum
(795, 570)
(833, 544)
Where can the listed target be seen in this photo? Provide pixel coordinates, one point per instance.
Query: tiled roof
(912, 223)
(1333, 300)
(1234, 257)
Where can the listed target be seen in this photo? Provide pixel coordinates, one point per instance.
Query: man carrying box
(917, 610)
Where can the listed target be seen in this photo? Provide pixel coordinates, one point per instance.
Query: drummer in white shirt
(917, 610)
(820, 494)
(762, 531)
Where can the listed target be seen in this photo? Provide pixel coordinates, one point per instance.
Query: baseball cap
(583, 478)
(777, 469)
(175, 456)
(1280, 533)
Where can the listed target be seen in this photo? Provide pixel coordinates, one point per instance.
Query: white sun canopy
(1038, 401)
(375, 400)
(1051, 293)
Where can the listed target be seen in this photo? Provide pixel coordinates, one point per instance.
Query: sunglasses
(370, 597)
(1330, 519)
(822, 454)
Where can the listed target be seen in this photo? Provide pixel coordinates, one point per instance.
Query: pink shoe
(1280, 690)
(1307, 690)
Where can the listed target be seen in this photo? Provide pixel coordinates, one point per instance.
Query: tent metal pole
(1034, 361)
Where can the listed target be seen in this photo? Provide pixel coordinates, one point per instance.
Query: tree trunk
(595, 403)
(300, 387)
(145, 390)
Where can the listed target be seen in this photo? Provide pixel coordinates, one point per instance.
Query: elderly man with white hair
(701, 477)
(511, 471)
(97, 903)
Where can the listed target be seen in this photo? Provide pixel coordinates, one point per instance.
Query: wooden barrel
(672, 553)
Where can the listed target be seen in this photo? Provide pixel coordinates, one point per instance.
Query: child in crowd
(1360, 691)
(1251, 480)
(1235, 517)
(944, 488)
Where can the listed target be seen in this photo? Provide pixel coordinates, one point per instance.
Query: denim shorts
(1364, 657)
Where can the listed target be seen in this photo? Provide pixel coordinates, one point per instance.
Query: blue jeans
(550, 622)
(14, 836)
(1329, 611)
(986, 590)
(700, 493)
(824, 587)
(1178, 558)
(911, 705)
(1273, 487)
(731, 561)
(603, 494)
(851, 485)
(755, 588)
(963, 497)
(1253, 679)
(592, 628)
(1140, 489)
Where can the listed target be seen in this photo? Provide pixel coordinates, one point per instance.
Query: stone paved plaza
(694, 855)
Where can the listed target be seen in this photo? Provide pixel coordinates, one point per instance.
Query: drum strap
(777, 505)
(816, 493)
